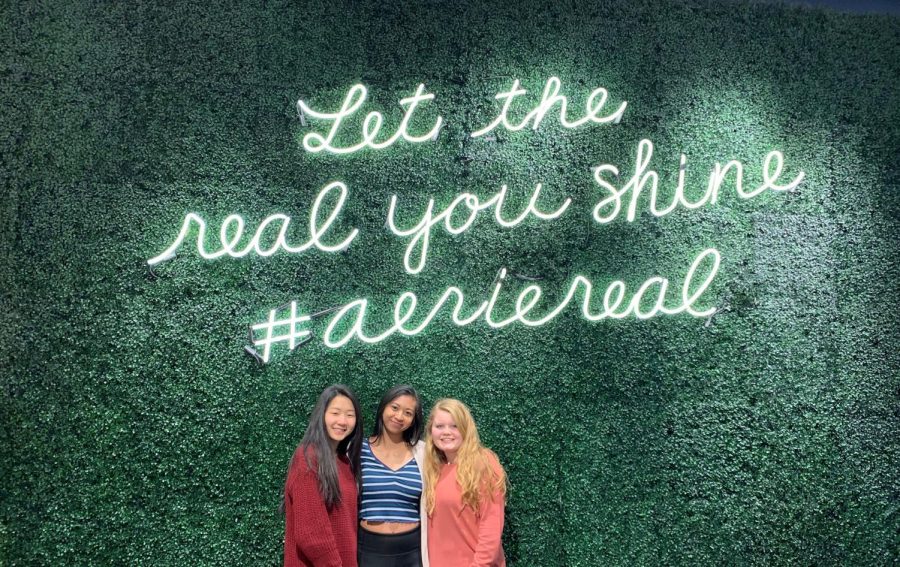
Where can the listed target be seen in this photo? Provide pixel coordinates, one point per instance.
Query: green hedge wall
(135, 429)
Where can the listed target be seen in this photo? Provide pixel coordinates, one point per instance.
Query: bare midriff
(388, 527)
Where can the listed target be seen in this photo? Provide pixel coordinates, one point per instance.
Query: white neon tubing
(769, 178)
(531, 209)
(528, 298)
(609, 207)
(234, 224)
(314, 142)
(688, 299)
(492, 301)
(404, 308)
(615, 197)
(269, 327)
(507, 97)
(549, 98)
(355, 98)
(421, 231)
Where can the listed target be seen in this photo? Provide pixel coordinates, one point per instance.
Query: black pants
(390, 550)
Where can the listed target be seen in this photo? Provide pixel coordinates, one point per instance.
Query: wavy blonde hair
(475, 472)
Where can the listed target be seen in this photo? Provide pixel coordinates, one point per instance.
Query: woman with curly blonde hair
(465, 491)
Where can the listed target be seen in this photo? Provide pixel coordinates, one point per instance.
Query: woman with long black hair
(392, 522)
(320, 492)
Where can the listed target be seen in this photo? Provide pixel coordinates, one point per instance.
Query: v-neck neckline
(385, 465)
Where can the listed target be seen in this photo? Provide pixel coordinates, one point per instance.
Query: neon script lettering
(232, 230)
(551, 97)
(614, 305)
(371, 126)
(609, 207)
(291, 335)
(421, 232)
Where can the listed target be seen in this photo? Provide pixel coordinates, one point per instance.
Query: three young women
(450, 485)
(465, 491)
(392, 522)
(320, 492)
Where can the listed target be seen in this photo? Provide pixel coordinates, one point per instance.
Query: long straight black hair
(316, 447)
(414, 432)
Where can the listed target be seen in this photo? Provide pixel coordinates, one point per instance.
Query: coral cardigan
(459, 537)
(314, 536)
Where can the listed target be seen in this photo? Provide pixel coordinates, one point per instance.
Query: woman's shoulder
(418, 451)
(303, 461)
(491, 460)
(493, 476)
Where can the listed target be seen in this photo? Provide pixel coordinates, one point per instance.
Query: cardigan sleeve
(489, 550)
(419, 455)
(311, 527)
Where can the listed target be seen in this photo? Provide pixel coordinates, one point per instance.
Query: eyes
(395, 408)
(337, 412)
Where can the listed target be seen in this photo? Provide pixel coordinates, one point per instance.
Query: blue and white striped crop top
(388, 495)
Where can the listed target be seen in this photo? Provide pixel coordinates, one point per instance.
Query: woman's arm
(489, 550)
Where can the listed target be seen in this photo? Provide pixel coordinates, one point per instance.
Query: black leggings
(390, 550)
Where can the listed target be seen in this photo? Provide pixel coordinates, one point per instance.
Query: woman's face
(340, 419)
(445, 435)
(399, 414)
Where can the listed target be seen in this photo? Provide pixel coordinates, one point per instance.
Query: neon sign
(232, 230)
(656, 296)
(371, 127)
(614, 305)
(551, 97)
(421, 232)
(291, 335)
(642, 177)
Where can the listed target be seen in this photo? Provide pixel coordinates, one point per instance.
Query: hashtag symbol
(268, 328)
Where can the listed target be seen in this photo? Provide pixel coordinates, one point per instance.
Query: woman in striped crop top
(392, 530)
